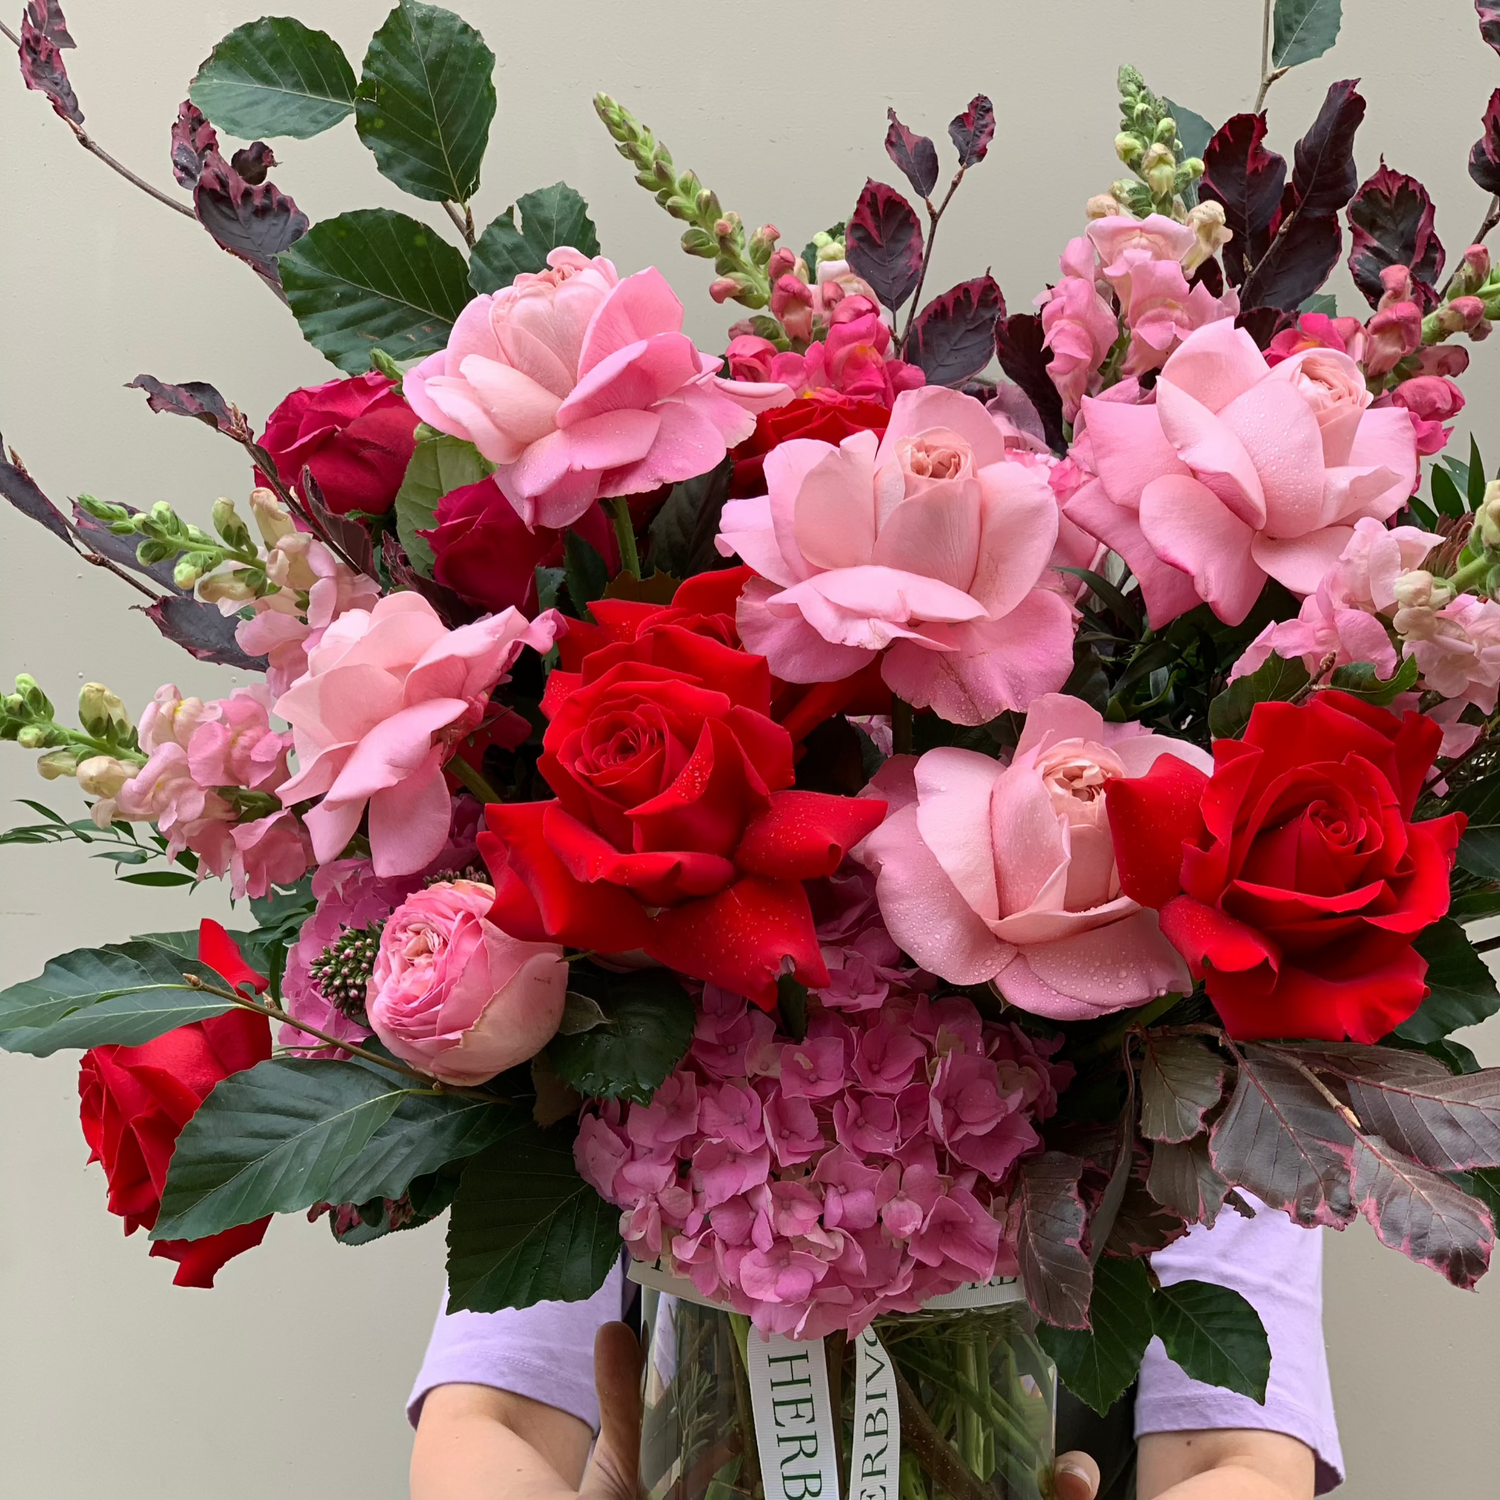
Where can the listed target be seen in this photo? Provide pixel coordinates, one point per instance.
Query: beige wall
(288, 1379)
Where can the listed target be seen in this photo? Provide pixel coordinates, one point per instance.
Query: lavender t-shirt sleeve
(545, 1352)
(1278, 1267)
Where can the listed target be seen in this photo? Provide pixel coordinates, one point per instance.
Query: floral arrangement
(913, 797)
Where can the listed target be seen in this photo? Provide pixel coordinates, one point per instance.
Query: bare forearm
(1224, 1465)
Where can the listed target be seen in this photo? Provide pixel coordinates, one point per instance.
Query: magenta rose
(355, 435)
(456, 996)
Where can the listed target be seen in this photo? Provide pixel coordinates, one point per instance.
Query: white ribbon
(875, 1462)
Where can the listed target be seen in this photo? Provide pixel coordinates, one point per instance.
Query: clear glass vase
(976, 1397)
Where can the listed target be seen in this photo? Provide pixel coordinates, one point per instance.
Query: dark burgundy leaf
(885, 243)
(1424, 1216)
(453, 610)
(1050, 1220)
(201, 631)
(47, 17)
(1489, 22)
(1240, 174)
(953, 337)
(1484, 159)
(1184, 1182)
(193, 398)
(1182, 1078)
(121, 549)
(347, 535)
(1143, 1225)
(43, 69)
(194, 141)
(1281, 1139)
(973, 130)
(1391, 224)
(254, 223)
(1024, 358)
(1323, 171)
(1264, 323)
(1210, 275)
(1302, 253)
(252, 162)
(23, 492)
(914, 154)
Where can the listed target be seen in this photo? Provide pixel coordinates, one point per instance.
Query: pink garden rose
(1240, 471)
(929, 548)
(456, 996)
(1007, 873)
(387, 693)
(581, 385)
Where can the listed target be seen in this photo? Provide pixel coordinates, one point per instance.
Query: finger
(614, 1470)
(1076, 1477)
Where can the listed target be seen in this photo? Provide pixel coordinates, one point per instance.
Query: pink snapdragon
(1457, 648)
(1080, 327)
(820, 1211)
(387, 694)
(578, 384)
(1431, 400)
(926, 548)
(1315, 330)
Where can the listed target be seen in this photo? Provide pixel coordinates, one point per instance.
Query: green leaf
(1182, 1078)
(1275, 680)
(1215, 1335)
(438, 465)
(1320, 302)
(1360, 680)
(1445, 494)
(275, 77)
(1099, 1364)
(1476, 482)
(550, 217)
(526, 1227)
(1479, 848)
(425, 101)
(682, 531)
(1192, 129)
(1460, 988)
(123, 993)
(291, 1132)
(584, 569)
(154, 877)
(373, 277)
(1303, 30)
(648, 1026)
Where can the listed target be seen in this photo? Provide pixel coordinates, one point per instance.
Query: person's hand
(614, 1469)
(1075, 1477)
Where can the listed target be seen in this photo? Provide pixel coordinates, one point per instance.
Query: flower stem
(630, 559)
(473, 778)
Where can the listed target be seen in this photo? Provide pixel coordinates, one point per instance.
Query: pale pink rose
(456, 996)
(270, 851)
(927, 548)
(578, 384)
(387, 694)
(1239, 471)
(1007, 873)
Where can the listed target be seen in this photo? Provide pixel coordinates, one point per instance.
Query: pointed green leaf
(1460, 988)
(1274, 680)
(1445, 494)
(1098, 1364)
(550, 217)
(1476, 481)
(501, 254)
(374, 278)
(1215, 1335)
(647, 1027)
(275, 77)
(584, 569)
(1479, 848)
(526, 1227)
(1303, 30)
(425, 101)
(124, 993)
(1360, 680)
(438, 464)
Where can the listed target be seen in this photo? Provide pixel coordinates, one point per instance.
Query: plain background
(289, 1378)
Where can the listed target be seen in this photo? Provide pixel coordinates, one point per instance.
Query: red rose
(822, 414)
(675, 831)
(485, 554)
(355, 435)
(1293, 880)
(134, 1102)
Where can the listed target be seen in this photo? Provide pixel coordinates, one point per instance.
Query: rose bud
(457, 997)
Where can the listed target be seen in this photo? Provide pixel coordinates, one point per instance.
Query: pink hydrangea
(927, 549)
(860, 1171)
(578, 384)
(863, 960)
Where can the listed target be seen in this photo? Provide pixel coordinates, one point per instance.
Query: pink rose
(1007, 873)
(456, 996)
(928, 549)
(1239, 471)
(387, 694)
(578, 384)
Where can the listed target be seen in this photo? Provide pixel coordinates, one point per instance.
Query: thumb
(1075, 1477)
(614, 1470)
